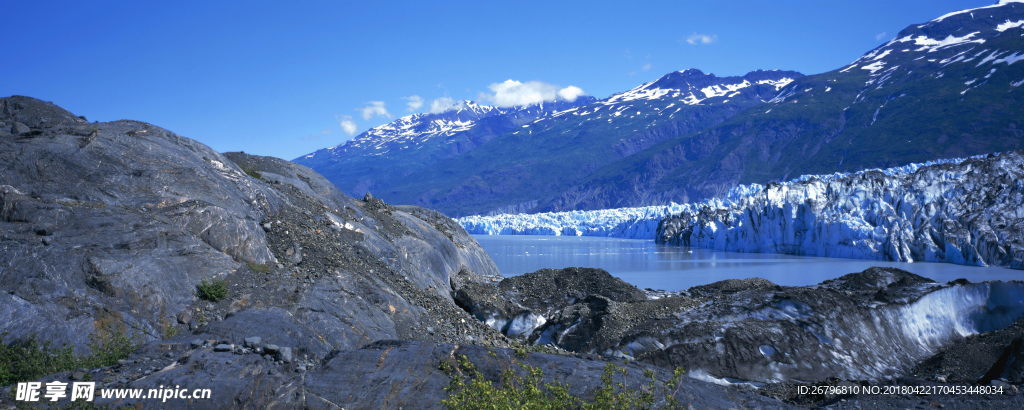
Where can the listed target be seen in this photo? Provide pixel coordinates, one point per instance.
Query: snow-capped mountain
(390, 154)
(963, 211)
(678, 103)
(478, 158)
(693, 87)
(969, 46)
(413, 131)
(949, 87)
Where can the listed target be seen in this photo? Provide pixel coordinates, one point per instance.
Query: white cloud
(571, 93)
(413, 102)
(442, 104)
(375, 109)
(646, 67)
(511, 93)
(507, 93)
(346, 124)
(881, 36)
(698, 39)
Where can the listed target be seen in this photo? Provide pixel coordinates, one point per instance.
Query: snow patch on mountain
(1001, 3)
(642, 92)
(932, 45)
(1010, 59)
(874, 67)
(719, 90)
(777, 84)
(1009, 24)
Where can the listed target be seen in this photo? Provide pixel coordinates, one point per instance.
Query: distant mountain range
(948, 87)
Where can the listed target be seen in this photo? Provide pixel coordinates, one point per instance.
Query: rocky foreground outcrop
(882, 325)
(108, 228)
(114, 224)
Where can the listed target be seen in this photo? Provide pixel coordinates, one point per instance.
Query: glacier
(966, 211)
(637, 222)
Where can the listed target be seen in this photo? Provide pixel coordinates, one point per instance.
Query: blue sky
(285, 78)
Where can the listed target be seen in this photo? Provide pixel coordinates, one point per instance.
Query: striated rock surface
(118, 222)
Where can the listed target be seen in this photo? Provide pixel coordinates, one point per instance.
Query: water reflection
(646, 264)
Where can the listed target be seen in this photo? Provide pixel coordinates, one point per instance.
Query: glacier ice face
(964, 210)
(524, 324)
(639, 222)
(959, 311)
(967, 212)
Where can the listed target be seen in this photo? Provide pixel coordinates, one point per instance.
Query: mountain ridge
(910, 99)
(948, 87)
(614, 127)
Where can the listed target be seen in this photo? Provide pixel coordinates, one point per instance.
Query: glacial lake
(648, 265)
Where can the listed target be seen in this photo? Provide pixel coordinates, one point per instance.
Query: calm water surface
(648, 265)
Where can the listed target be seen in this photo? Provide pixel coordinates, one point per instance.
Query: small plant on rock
(253, 173)
(213, 290)
(522, 387)
(29, 359)
(259, 267)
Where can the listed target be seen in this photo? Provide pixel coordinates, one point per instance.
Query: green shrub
(258, 267)
(213, 290)
(168, 331)
(253, 173)
(29, 359)
(524, 389)
(469, 389)
(107, 350)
